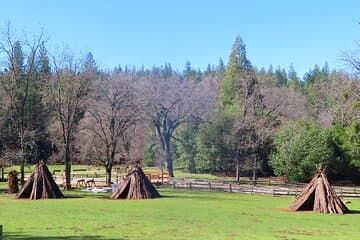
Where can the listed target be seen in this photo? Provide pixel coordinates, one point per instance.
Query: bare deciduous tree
(169, 105)
(16, 84)
(109, 120)
(69, 89)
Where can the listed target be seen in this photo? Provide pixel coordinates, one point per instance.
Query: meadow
(178, 214)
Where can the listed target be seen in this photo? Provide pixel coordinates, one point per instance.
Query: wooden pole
(1, 232)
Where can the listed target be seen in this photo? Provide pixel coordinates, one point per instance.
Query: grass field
(179, 214)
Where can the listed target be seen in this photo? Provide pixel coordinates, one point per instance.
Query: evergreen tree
(208, 70)
(294, 81)
(221, 67)
(280, 77)
(271, 70)
(236, 71)
(301, 147)
(89, 63)
(187, 71)
(186, 148)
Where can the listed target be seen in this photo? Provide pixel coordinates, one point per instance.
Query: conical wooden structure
(13, 182)
(319, 196)
(40, 185)
(136, 186)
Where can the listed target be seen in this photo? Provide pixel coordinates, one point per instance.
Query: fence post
(209, 185)
(341, 192)
(1, 232)
(230, 188)
(190, 185)
(174, 184)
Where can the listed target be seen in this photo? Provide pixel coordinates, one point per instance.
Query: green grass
(182, 174)
(101, 170)
(179, 214)
(30, 168)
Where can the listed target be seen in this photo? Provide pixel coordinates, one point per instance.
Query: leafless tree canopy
(69, 89)
(109, 123)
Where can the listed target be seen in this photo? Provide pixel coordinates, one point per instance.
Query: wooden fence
(260, 188)
(276, 186)
(100, 178)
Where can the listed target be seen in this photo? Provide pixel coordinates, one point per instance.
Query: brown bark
(40, 185)
(67, 168)
(13, 182)
(320, 197)
(108, 175)
(237, 159)
(136, 186)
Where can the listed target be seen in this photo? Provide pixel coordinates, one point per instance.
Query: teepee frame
(40, 185)
(136, 186)
(319, 196)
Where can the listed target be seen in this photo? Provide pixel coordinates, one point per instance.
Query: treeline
(232, 119)
(271, 122)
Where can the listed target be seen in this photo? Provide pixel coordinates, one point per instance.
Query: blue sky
(137, 32)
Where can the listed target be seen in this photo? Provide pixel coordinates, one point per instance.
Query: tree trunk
(67, 168)
(237, 164)
(22, 162)
(254, 169)
(192, 166)
(108, 175)
(22, 174)
(168, 158)
(169, 163)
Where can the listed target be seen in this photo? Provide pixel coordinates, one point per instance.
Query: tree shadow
(70, 196)
(3, 190)
(15, 235)
(353, 212)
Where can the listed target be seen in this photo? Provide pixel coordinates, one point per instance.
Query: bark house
(40, 185)
(319, 196)
(13, 182)
(136, 186)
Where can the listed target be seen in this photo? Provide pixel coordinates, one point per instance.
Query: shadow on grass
(16, 235)
(354, 212)
(3, 190)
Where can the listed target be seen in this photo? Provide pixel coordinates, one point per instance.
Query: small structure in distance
(319, 196)
(40, 185)
(136, 186)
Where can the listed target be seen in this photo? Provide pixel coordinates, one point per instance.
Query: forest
(233, 119)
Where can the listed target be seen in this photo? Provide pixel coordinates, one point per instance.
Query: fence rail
(260, 188)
